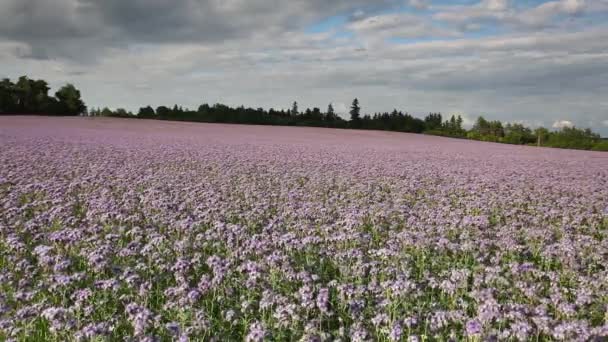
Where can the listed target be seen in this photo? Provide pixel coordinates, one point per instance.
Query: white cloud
(359, 14)
(400, 25)
(605, 123)
(467, 120)
(543, 13)
(562, 124)
(573, 6)
(495, 5)
(341, 109)
(502, 13)
(419, 4)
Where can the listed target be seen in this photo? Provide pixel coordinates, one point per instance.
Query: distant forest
(28, 96)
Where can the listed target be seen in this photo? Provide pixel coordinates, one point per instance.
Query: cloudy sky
(533, 61)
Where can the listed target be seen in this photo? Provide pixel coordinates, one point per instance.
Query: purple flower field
(149, 230)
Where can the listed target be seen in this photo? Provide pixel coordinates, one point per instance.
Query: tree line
(27, 96)
(389, 121)
(398, 121)
(514, 133)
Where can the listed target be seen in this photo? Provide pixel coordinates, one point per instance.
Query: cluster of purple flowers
(120, 229)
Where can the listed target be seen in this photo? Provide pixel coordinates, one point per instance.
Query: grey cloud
(397, 26)
(503, 12)
(419, 4)
(37, 20)
(53, 28)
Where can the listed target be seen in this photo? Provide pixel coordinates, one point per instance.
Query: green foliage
(29, 96)
(331, 114)
(450, 128)
(70, 102)
(146, 112)
(394, 121)
(572, 137)
(433, 121)
(8, 96)
(518, 134)
(601, 146)
(118, 113)
(355, 114)
(483, 130)
(567, 137)
(294, 109)
(488, 130)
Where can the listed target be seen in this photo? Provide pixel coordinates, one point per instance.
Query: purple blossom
(323, 300)
(114, 228)
(396, 332)
(473, 328)
(173, 328)
(256, 333)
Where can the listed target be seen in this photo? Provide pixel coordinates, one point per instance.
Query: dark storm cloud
(65, 28)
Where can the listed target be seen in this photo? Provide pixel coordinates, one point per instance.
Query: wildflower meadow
(135, 230)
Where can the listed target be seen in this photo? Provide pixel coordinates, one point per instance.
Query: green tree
(163, 112)
(146, 112)
(355, 113)
(69, 101)
(331, 114)
(8, 100)
(40, 96)
(122, 113)
(518, 134)
(542, 135)
(22, 91)
(433, 121)
(317, 117)
(31, 95)
(95, 112)
(294, 109)
(487, 130)
(575, 138)
(496, 129)
(481, 126)
(107, 112)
